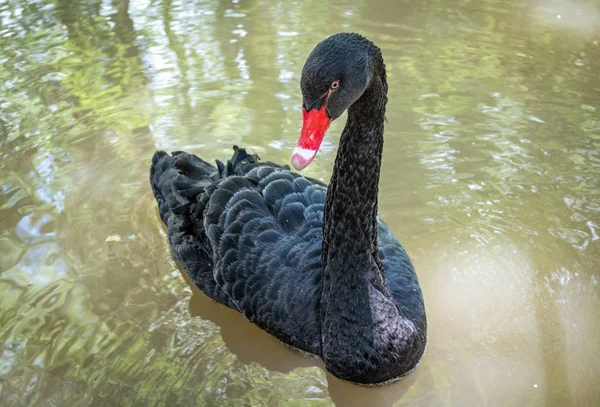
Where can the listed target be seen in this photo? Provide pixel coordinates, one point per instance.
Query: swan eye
(335, 85)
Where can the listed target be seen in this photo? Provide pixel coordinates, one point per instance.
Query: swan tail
(177, 180)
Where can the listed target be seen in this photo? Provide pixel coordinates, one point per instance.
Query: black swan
(312, 265)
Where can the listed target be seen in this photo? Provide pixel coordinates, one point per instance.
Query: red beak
(314, 126)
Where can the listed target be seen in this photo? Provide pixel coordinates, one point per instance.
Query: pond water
(491, 180)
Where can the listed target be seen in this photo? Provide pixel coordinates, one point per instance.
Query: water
(490, 180)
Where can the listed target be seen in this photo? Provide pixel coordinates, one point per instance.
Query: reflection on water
(490, 180)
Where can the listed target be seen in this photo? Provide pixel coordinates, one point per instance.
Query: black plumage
(312, 265)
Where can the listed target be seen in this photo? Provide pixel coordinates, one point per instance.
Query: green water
(491, 180)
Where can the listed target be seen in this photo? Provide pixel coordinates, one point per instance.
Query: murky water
(491, 180)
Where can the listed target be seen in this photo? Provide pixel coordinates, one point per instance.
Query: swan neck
(350, 223)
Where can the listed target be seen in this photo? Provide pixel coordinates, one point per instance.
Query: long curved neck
(350, 219)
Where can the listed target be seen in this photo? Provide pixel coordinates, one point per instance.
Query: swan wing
(249, 235)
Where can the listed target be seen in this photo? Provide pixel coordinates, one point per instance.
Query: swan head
(335, 75)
